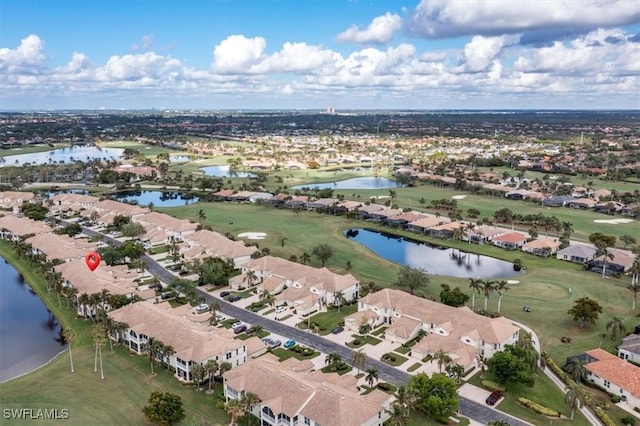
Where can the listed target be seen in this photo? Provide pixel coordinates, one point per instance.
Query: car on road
(233, 298)
(494, 397)
(338, 329)
(289, 344)
(224, 293)
(240, 329)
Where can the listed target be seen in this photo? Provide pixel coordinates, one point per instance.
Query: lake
(64, 155)
(435, 260)
(158, 198)
(369, 182)
(225, 171)
(30, 334)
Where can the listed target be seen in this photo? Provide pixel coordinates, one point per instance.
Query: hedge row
(493, 386)
(540, 409)
(566, 379)
(604, 417)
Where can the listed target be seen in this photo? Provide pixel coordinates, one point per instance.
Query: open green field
(31, 149)
(544, 287)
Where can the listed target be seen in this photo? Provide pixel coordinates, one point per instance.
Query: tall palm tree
(69, 334)
(250, 400)
(398, 415)
(214, 307)
(359, 359)
(615, 326)
(487, 288)
(475, 285)
(468, 230)
(250, 277)
(443, 359)
(635, 284)
(167, 352)
(267, 297)
(211, 368)
(201, 215)
(197, 372)
(602, 250)
(224, 367)
(99, 336)
(84, 302)
(575, 397)
(235, 408)
(333, 360)
(575, 367)
(305, 258)
(501, 288)
(372, 375)
(405, 397)
(339, 299)
(151, 349)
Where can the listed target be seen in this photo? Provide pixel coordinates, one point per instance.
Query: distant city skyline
(319, 54)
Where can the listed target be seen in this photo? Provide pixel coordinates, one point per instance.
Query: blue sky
(313, 54)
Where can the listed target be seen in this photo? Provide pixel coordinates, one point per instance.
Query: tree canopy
(585, 309)
(164, 408)
(453, 297)
(511, 366)
(412, 278)
(435, 395)
(323, 252)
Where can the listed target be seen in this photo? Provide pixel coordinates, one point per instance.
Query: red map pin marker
(92, 259)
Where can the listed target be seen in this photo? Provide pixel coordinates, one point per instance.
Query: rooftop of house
(23, 226)
(615, 370)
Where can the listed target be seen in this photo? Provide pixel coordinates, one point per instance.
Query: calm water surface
(369, 182)
(158, 198)
(224, 171)
(435, 260)
(64, 155)
(30, 334)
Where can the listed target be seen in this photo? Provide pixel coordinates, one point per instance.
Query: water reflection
(436, 260)
(82, 153)
(158, 198)
(369, 182)
(29, 332)
(225, 171)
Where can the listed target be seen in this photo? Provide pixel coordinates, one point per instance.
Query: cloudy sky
(314, 54)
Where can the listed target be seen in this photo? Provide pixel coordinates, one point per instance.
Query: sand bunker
(253, 235)
(613, 221)
(458, 197)
(513, 282)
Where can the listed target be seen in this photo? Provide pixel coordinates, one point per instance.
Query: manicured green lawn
(284, 354)
(402, 350)
(394, 359)
(329, 319)
(414, 367)
(31, 149)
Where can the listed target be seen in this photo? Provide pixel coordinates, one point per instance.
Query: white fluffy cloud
(237, 53)
(480, 52)
(443, 18)
(296, 58)
(379, 31)
(26, 58)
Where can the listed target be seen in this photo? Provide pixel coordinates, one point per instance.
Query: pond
(369, 182)
(64, 155)
(435, 260)
(30, 334)
(158, 198)
(224, 171)
(179, 159)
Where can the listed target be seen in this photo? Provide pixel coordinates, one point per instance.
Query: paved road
(468, 408)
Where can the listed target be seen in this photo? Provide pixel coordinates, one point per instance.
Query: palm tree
(359, 359)
(250, 400)
(405, 397)
(372, 375)
(575, 397)
(235, 408)
(197, 372)
(443, 359)
(305, 258)
(211, 368)
(69, 334)
(214, 307)
(576, 369)
(151, 349)
(475, 285)
(99, 336)
(167, 351)
(333, 360)
(201, 215)
(224, 367)
(267, 297)
(257, 330)
(339, 299)
(602, 250)
(398, 415)
(635, 284)
(501, 288)
(487, 288)
(615, 326)
(84, 301)
(250, 277)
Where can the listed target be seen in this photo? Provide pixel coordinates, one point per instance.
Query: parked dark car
(233, 298)
(494, 397)
(224, 293)
(240, 329)
(337, 329)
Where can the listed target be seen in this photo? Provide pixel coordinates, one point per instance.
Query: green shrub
(384, 386)
(604, 417)
(615, 399)
(493, 386)
(629, 420)
(540, 409)
(220, 405)
(444, 420)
